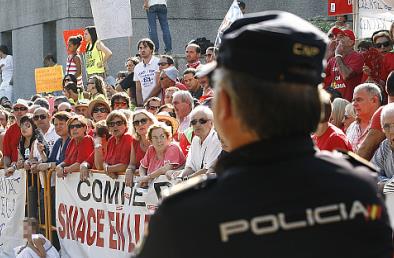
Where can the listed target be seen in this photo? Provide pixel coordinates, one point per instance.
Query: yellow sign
(49, 79)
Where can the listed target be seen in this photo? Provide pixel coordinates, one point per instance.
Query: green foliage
(322, 23)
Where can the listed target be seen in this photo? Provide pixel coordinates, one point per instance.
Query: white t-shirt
(153, 2)
(203, 156)
(146, 75)
(7, 69)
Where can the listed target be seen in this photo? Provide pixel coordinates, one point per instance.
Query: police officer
(274, 196)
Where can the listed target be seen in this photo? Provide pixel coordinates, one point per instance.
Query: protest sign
(77, 32)
(12, 211)
(112, 18)
(233, 14)
(49, 79)
(101, 217)
(373, 15)
(339, 7)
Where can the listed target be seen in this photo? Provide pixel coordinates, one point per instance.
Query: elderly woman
(348, 117)
(338, 112)
(205, 147)
(384, 157)
(119, 145)
(96, 88)
(163, 155)
(98, 110)
(142, 120)
(79, 148)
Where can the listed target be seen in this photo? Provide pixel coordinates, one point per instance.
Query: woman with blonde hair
(349, 116)
(338, 112)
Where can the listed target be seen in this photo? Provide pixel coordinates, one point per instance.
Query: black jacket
(274, 199)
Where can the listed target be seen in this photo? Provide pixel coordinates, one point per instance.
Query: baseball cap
(172, 73)
(347, 33)
(274, 46)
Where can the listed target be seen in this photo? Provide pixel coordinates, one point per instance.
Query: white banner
(374, 15)
(112, 18)
(103, 217)
(12, 211)
(233, 14)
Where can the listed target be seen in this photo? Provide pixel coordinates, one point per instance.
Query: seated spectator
(348, 117)
(338, 112)
(142, 120)
(58, 100)
(205, 147)
(169, 109)
(152, 105)
(37, 245)
(210, 54)
(96, 88)
(79, 148)
(165, 62)
(69, 78)
(120, 100)
(169, 121)
(119, 145)
(42, 102)
(192, 83)
(98, 110)
(169, 78)
(203, 75)
(64, 107)
(72, 92)
(96, 159)
(81, 107)
(328, 136)
(384, 157)
(183, 104)
(168, 94)
(161, 156)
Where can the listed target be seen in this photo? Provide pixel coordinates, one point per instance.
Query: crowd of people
(156, 120)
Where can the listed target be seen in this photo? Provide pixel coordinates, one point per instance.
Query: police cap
(274, 46)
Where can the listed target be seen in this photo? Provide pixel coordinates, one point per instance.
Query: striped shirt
(356, 135)
(384, 159)
(71, 68)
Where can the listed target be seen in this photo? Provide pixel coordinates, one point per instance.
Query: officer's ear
(223, 108)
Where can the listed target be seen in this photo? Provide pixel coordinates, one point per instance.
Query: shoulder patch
(351, 157)
(194, 183)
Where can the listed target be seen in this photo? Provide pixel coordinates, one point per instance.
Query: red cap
(347, 33)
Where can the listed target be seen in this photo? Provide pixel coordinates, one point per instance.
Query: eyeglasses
(143, 121)
(78, 126)
(202, 121)
(39, 117)
(120, 104)
(67, 110)
(117, 123)
(16, 109)
(383, 44)
(388, 127)
(163, 78)
(153, 107)
(162, 64)
(98, 109)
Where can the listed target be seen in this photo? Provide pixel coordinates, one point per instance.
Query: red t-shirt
(173, 154)
(375, 120)
(332, 139)
(354, 61)
(139, 153)
(119, 153)
(78, 153)
(10, 142)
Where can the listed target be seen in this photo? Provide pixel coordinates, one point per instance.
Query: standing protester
(74, 63)
(146, 73)
(158, 8)
(193, 53)
(97, 54)
(6, 68)
(270, 200)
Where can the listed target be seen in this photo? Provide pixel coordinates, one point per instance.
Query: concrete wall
(35, 28)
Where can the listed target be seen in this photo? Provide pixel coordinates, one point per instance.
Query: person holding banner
(274, 195)
(79, 149)
(97, 54)
(74, 63)
(6, 68)
(141, 120)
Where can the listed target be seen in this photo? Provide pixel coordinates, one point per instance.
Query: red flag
(339, 7)
(70, 33)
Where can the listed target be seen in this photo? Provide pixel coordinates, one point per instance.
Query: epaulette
(194, 183)
(356, 160)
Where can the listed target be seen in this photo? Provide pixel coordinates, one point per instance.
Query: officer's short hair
(271, 108)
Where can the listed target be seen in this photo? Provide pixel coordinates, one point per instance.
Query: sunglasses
(161, 64)
(383, 44)
(78, 126)
(67, 110)
(143, 121)
(120, 104)
(16, 109)
(39, 117)
(117, 123)
(102, 110)
(202, 121)
(153, 107)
